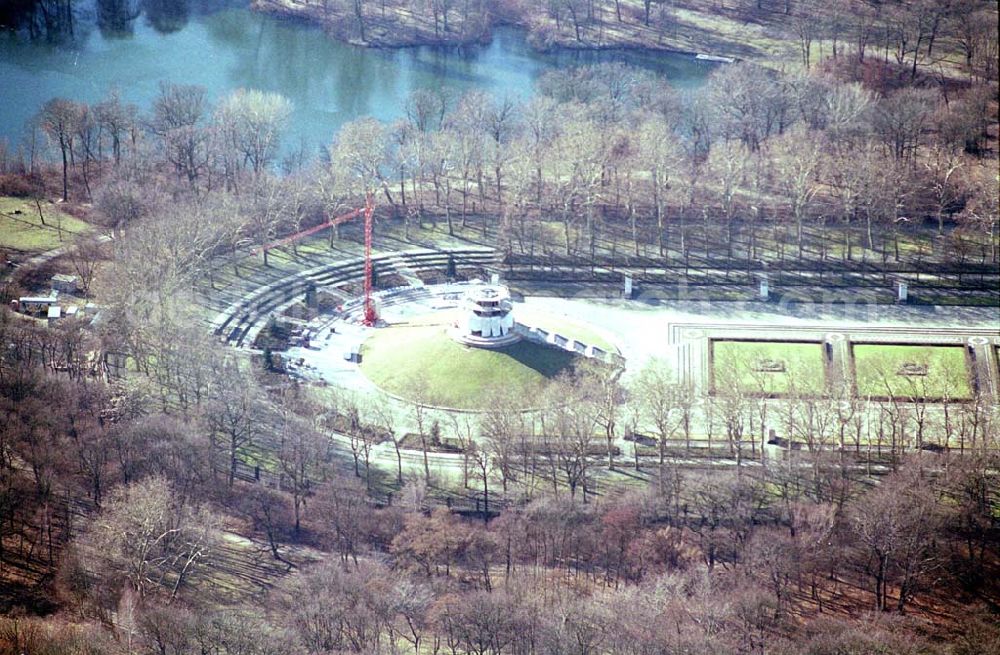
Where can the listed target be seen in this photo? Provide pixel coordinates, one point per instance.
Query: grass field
(798, 367)
(24, 231)
(878, 371)
(457, 376)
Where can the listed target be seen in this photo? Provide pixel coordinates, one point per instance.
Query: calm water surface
(219, 44)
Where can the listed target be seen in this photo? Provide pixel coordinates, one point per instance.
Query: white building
(487, 318)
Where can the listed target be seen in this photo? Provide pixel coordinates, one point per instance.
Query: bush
(17, 186)
(542, 36)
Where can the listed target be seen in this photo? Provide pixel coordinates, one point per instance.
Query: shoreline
(409, 32)
(634, 48)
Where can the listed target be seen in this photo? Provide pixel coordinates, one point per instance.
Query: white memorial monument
(487, 319)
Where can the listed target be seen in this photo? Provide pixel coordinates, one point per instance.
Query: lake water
(221, 45)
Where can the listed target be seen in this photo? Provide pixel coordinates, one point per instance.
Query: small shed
(65, 283)
(35, 305)
(54, 314)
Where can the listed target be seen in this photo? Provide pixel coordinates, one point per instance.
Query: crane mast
(370, 315)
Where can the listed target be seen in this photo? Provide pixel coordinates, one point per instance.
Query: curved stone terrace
(239, 294)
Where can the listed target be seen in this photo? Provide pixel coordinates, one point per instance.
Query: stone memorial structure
(487, 319)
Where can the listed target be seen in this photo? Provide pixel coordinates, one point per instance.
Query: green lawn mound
(911, 372)
(22, 229)
(422, 363)
(769, 367)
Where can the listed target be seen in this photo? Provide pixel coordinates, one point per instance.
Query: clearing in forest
(22, 229)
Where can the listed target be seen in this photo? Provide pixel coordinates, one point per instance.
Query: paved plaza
(641, 329)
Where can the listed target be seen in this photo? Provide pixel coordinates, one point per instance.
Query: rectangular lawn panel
(769, 367)
(911, 371)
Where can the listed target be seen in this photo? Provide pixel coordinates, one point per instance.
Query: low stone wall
(552, 339)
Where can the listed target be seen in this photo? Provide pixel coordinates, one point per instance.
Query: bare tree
(727, 163)
(384, 417)
(604, 392)
(59, 118)
(301, 450)
(237, 415)
(117, 122)
(418, 390)
(252, 122)
(148, 538)
(895, 526)
(569, 429)
(177, 106)
(659, 152)
(797, 159)
(268, 510)
(899, 120)
(735, 409)
(942, 166)
(360, 147)
(501, 427)
(86, 256)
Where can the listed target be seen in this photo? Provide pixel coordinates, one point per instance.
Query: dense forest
(198, 505)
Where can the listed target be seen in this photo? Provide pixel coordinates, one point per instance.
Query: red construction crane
(370, 316)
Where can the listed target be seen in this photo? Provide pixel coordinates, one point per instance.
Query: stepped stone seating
(239, 323)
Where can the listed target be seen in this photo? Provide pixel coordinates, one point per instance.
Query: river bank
(396, 27)
(328, 82)
(694, 31)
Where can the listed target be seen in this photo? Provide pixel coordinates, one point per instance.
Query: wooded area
(124, 516)
(198, 504)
